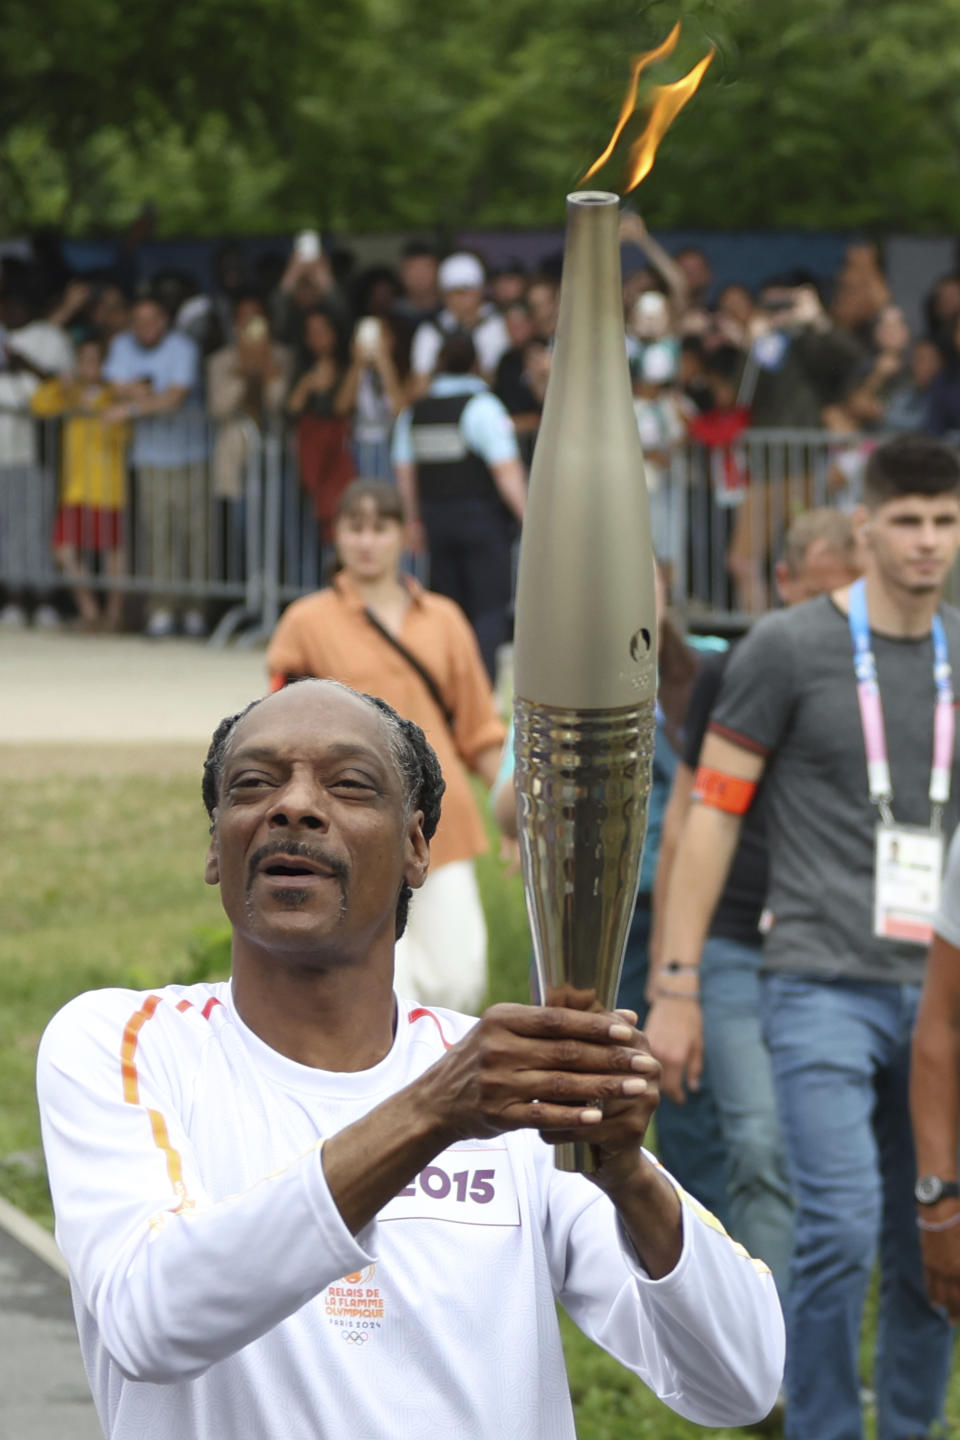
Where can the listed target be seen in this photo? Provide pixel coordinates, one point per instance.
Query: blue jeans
(689, 1139)
(840, 1052)
(371, 459)
(761, 1206)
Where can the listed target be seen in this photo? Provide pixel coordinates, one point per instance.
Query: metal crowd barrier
(721, 513)
(92, 505)
(221, 525)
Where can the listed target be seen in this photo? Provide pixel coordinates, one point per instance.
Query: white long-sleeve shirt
(218, 1292)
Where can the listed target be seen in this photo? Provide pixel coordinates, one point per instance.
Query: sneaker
(160, 625)
(13, 617)
(46, 618)
(194, 625)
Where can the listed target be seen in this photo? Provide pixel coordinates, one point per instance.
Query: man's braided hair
(413, 754)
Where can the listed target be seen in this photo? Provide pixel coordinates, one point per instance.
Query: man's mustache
(297, 850)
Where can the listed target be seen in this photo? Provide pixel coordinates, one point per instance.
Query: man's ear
(417, 852)
(211, 869)
(861, 525)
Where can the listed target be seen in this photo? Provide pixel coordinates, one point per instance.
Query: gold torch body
(585, 669)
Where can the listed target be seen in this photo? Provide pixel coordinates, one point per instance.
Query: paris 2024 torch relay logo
(354, 1306)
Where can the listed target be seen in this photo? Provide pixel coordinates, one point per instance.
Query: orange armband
(724, 792)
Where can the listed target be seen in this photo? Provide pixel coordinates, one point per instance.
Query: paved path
(43, 1390)
(86, 689)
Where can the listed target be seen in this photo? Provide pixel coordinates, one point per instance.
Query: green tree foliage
(823, 113)
(360, 115)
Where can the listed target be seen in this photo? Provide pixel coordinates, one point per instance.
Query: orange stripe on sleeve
(131, 1094)
(128, 1048)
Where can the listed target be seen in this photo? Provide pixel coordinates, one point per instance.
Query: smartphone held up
(367, 337)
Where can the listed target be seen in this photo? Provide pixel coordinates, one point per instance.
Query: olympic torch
(585, 669)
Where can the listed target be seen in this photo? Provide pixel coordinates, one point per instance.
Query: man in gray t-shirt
(790, 696)
(838, 1001)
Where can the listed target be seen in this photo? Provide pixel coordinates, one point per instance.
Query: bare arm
(406, 474)
(487, 764)
(140, 402)
(634, 229)
(704, 854)
(935, 1064)
(297, 398)
(510, 480)
(75, 296)
(346, 396)
(674, 818)
(935, 1108)
(505, 809)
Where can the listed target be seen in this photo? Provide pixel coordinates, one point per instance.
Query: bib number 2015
(463, 1185)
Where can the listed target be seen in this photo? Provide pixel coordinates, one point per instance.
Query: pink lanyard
(871, 713)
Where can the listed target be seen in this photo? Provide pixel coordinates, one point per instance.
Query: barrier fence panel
(210, 522)
(721, 517)
(168, 509)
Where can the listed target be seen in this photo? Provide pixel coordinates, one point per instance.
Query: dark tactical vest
(446, 469)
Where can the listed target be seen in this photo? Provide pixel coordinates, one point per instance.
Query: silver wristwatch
(930, 1189)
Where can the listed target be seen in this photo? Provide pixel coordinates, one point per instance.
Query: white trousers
(441, 958)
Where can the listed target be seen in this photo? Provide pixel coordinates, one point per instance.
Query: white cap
(461, 272)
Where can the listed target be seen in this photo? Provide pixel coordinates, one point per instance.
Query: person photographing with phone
(246, 384)
(375, 390)
(320, 403)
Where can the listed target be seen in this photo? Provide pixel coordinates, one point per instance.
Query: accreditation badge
(908, 866)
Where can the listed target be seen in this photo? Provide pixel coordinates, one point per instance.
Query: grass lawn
(101, 884)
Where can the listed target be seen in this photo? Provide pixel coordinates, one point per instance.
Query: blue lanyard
(871, 712)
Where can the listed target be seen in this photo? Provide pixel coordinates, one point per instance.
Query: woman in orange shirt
(379, 631)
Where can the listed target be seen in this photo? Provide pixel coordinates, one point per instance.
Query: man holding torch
(295, 1204)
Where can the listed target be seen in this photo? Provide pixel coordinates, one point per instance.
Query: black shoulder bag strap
(412, 660)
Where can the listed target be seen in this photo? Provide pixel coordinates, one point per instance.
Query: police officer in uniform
(463, 488)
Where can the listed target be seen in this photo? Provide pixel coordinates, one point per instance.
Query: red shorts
(86, 527)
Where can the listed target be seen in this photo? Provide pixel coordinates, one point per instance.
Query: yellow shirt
(327, 634)
(93, 454)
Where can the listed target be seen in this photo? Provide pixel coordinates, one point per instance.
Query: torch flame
(668, 101)
(638, 64)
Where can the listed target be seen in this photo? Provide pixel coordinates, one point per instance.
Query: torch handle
(583, 781)
(575, 1158)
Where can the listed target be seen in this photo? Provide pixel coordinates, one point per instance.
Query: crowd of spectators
(163, 391)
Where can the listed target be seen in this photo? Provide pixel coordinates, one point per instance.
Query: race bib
(908, 867)
(472, 1186)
